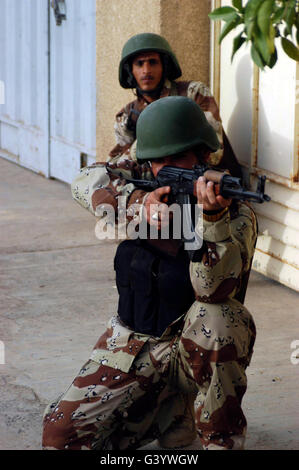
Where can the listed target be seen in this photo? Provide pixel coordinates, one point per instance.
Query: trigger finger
(210, 193)
(201, 188)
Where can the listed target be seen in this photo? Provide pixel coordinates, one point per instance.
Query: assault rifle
(182, 181)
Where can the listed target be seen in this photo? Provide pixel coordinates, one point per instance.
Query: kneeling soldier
(180, 328)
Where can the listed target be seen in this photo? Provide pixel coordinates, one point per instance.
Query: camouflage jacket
(217, 275)
(126, 119)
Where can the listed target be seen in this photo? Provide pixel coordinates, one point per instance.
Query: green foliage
(263, 23)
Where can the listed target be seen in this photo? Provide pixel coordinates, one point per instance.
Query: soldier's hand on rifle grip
(208, 197)
(157, 211)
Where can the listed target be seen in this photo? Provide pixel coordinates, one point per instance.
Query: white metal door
(260, 115)
(48, 86)
(73, 89)
(24, 120)
(258, 111)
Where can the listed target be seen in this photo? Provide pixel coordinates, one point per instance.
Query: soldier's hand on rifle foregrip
(207, 195)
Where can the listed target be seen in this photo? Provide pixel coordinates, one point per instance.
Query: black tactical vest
(154, 288)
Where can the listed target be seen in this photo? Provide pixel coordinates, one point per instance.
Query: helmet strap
(155, 93)
(130, 77)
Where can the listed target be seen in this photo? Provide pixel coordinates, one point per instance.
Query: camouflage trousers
(106, 408)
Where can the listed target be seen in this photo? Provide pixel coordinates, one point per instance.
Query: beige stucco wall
(184, 24)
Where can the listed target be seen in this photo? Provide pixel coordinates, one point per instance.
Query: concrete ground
(57, 291)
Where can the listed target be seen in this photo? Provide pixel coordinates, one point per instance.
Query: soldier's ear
(202, 152)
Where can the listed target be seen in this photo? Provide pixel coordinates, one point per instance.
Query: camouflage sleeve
(224, 157)
(124, 137)
(202, 95)
(101, 184)
(228, 248)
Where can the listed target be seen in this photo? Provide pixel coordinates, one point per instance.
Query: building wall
(260, 113)
(184, 24)
(275, 153)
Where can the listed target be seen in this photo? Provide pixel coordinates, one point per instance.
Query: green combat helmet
(172, 125)
(146, 42)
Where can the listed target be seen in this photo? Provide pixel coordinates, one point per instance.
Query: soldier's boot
(182, 433)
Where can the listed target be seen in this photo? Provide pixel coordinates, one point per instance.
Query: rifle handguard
(182, 180)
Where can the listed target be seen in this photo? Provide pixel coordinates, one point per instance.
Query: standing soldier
(180, 329)
(149, 66)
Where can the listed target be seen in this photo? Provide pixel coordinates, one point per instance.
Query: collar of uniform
(169, 89)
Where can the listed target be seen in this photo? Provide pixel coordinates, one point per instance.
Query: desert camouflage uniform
(129, 391)
(125, 124)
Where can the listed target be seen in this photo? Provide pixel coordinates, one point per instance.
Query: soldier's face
(183, 160)
(147, 70)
